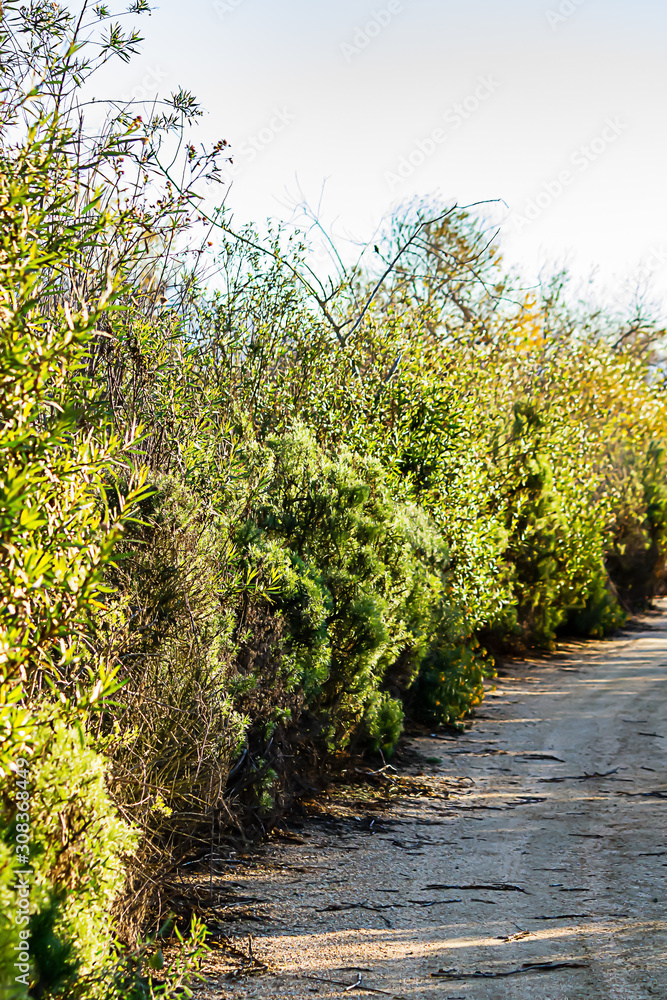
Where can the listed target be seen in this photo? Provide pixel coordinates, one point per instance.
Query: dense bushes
(174, 731)
(55, 536)
(317, 641)
(243, 531)
(63, 846)
(78, 849)
(359, 582)
(555, 549)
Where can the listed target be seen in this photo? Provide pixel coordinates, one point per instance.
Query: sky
(553, 111)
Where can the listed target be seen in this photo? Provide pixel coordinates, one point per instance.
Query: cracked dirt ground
(538, 836)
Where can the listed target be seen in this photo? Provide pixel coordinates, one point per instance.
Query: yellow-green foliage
(56, 534)
(51, 538)
(78, 847)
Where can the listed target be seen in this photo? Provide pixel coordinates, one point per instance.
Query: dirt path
(552, 850)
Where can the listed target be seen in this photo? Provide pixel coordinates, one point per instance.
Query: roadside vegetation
(251, 518)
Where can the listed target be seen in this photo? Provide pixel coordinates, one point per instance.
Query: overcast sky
(557, 107)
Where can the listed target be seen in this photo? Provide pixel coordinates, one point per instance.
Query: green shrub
(451, 682)
(384, 722)
(351, 481)
(637, 547)
(77, 852)
(358, 581)
(555, 529)
(58, 452)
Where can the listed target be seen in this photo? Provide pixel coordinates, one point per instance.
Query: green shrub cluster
(78, 846)
(358, 581)
(64, 846)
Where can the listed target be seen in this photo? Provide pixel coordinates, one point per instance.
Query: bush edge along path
(250, 518)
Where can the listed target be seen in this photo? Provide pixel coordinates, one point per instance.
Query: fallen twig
(226, 944)
(654, 794)
(433, 902)
(461, 808)
(528, 967)
(540, 756)
(491, 887)
(339, 907)
(578, 777)
(348, 986)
